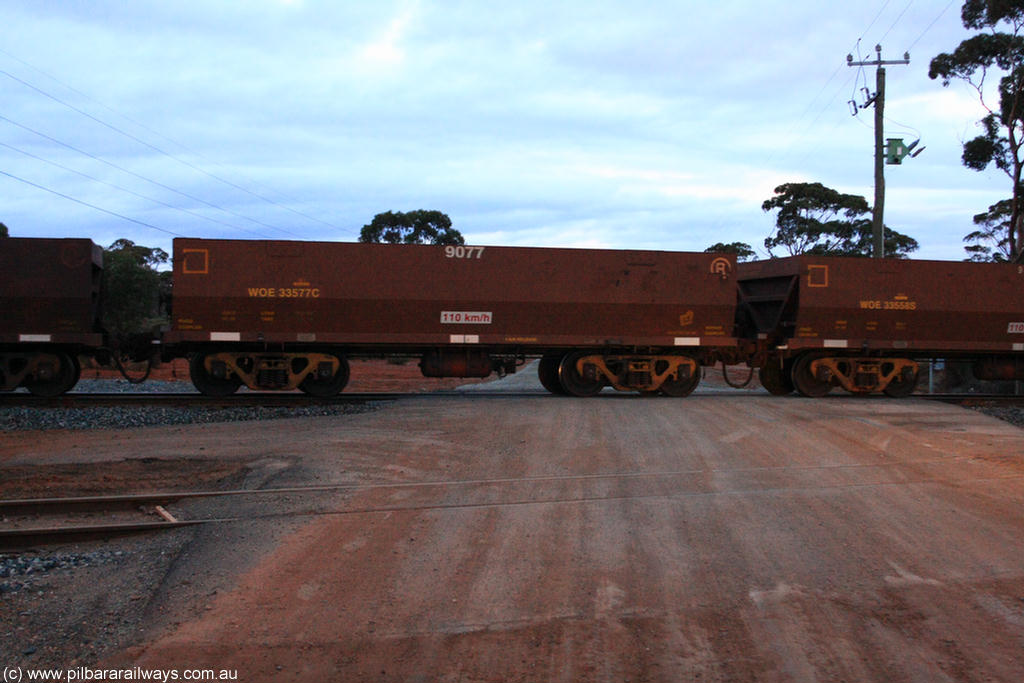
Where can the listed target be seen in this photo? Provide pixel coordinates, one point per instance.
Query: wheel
(207, 384)
(776, 378)
(804, 380)
(326, 387)
(547, 372)
(678, 388)
(901, 387)
(572, 382)
(65, 376)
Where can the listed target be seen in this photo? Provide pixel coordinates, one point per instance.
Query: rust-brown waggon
(279, 314)
(862, 323)
(49, 311)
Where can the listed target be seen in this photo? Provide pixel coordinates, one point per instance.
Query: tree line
(814, 219)
(819, 220)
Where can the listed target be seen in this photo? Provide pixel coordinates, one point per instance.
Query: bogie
(584, 374)
(814, 375)
(315, 373)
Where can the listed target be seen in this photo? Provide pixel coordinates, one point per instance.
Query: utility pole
(878, 99)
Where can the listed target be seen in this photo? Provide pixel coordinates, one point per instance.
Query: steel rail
(28, 536)
(295, 399)
(115, 501)
(21, 538)
(161, 399)
(240, 400)
(973, 398)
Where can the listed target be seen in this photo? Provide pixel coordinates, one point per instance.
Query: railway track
(272, 399)
(969, 399)
(36, 522)
(41, 521)
(241, 400)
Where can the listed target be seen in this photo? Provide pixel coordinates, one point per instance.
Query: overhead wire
(155, 148)
(126, 190)
(929, 27)
(896, 21)
(817, 117)
(904, 126)
(879, 14)
(857, 75)
(158, 134)
(860, 74)
(133, 173)
(134, 139)
(91, 206)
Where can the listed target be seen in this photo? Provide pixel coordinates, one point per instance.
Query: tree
(742, 250)
(3, 231)
(412, 227)
(814, 219)
(148, 257)
(992, 241)
(1003, 127)
(134, 295)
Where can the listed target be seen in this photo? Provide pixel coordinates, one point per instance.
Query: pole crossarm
(876, 62)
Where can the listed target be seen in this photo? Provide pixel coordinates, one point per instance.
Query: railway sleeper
(894, 376)
(671, 375)
(273, 371)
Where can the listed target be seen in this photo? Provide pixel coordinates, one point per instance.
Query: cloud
(386, 50)
(660, 125)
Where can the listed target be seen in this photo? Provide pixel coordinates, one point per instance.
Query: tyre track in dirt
(787, 540)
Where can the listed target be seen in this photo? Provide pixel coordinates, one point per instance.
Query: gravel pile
(1012, 414)
(121, 417)
(18, 571)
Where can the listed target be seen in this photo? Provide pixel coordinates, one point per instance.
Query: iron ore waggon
(49, 311)
(865, 324)
(285, 315)
(277, 315)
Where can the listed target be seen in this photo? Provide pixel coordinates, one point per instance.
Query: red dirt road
(706, 539)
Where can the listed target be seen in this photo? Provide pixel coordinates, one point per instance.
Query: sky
(627, 125)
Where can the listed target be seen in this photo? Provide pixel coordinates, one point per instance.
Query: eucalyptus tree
(411, 227)
(814, 219)
(998, 49)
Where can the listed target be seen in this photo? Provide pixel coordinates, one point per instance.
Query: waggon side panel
(371, 294)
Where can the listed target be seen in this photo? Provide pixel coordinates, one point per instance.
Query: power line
(132, 173)
(882, 39)
(929, 27)
(127, 191)
(817, 117)
(821, 112)
(135, 139)
(151, 146)
(91, 206)
(884, 5)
